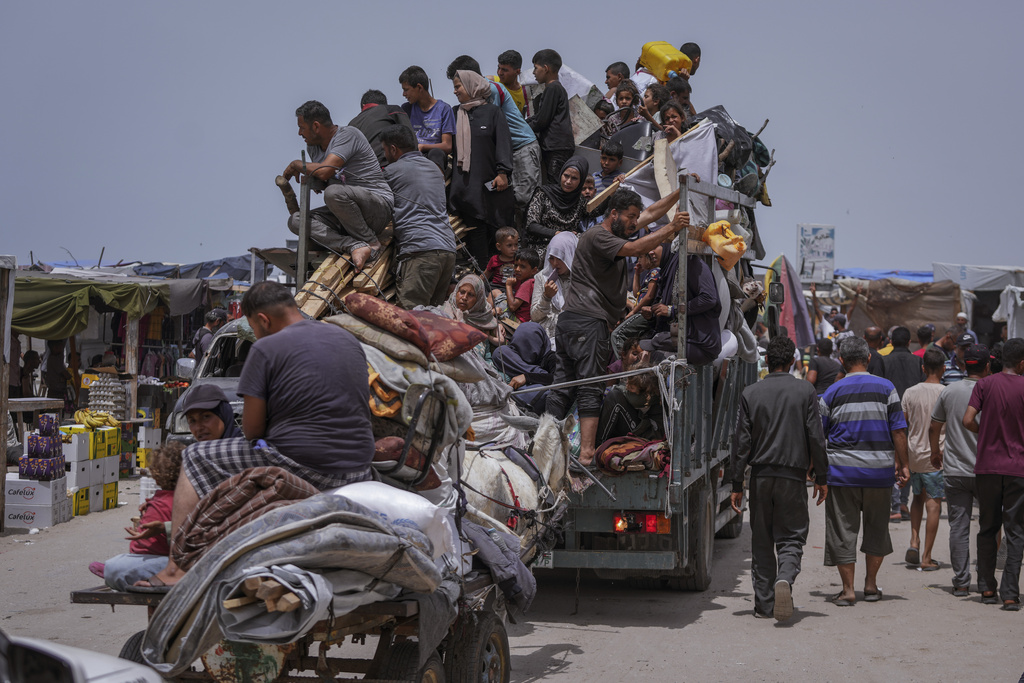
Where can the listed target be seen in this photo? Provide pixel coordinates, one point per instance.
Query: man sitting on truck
(595, 302)
(311, 418)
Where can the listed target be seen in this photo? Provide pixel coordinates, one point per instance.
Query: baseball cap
(976, 354)
(202, 397)
(964, 339)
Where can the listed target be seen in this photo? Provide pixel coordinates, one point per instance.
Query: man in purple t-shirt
(999, 473)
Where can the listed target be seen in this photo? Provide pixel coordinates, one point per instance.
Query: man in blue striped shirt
(866, 442)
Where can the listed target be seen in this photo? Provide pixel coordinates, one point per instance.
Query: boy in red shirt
(502, 265)
(519, 289)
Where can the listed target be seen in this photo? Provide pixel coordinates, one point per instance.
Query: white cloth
(1011, 311)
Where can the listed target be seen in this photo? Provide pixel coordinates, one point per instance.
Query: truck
(658, 529)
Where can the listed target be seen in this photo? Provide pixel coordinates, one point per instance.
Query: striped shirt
(859, 414)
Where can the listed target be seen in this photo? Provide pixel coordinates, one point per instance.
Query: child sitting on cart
(147, 554)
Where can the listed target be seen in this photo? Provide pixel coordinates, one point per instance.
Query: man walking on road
(866, 441)
(779, 435)
(957, 459)
(999, 473)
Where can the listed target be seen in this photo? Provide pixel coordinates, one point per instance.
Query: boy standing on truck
(551, 121)
(779, 435)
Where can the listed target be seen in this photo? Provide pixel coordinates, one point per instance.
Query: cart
(475, 649)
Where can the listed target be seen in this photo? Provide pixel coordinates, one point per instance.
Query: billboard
(816, 245)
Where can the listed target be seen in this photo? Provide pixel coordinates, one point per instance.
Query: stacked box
(109, 441)
(109, 469)
(48, 424)
(31, 504)
(79, 447)
(41, 469)
(39, 446)
(34, 516)
(22, 491)
(96, 498)
(80, 502)
(110, 496)
(141, 456)
(79, 474)
(149, 437)
(126, 464)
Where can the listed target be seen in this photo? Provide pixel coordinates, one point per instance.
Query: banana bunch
(92, 420)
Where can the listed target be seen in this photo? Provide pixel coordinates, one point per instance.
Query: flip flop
(155, 586)
(873, 597)
(989, 598)
(961, 591)
(913, 556)
(97, 568)
(931, 567)
(839, 601)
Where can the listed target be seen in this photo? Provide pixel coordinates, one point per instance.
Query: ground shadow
(539, 664)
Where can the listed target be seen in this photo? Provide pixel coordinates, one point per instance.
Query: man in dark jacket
(779, 434)
(374, 117)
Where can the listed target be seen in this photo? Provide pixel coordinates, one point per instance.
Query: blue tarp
(871, 274)
(236, 267)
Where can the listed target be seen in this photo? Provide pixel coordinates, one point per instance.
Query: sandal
(1011, 605)
(839, 601)
(934, 566)
(989, 598)
(961, 591)
(155, 586)
(873, 597)
(913, 556)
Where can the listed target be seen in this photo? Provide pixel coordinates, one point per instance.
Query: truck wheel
(403, 664)
(132, 648)
(733, 528)
(479, 651)
(702, 543)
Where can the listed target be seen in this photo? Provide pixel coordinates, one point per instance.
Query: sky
(155, 130)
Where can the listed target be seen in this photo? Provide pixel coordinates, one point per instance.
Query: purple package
(48, 424)
(41, 469)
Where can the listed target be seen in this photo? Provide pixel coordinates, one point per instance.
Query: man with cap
(955, 368)
(203, 337)
(956, 458)
(961, 326)
(209, 413)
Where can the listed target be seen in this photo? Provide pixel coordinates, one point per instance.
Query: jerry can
(663, 60)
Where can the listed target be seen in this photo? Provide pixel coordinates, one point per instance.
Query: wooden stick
(289, 602)
(251, 585)
(270, 590)
(235, 603)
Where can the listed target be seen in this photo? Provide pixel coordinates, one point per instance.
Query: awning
(50, 306)
(873, 274)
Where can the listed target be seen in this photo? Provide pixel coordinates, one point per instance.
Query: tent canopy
(48, 306)
(980, 278)
(873, 274)
(237, 267)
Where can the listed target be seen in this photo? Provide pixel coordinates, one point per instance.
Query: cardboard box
(96, 472)
(75, 429)
(141, 456)
(20, 491)
(32, 516)
(149, 437)
(41, 469)
(109, 469)
(125, 465)
(110, 496)
(80, 448)
(80, 502)
(39, 446)
(48, 424)
(79, 474)
(96, 498)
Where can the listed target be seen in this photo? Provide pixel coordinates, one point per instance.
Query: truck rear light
(642, 523)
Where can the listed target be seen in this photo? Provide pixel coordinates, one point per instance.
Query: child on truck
(148, 552)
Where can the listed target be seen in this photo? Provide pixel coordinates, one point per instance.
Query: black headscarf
(227, 416)
(560, 199)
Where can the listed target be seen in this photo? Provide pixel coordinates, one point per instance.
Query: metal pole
(302, 263)
(252, 266)
(681, 455)
(684, 237)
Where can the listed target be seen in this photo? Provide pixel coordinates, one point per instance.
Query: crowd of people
(869, 422)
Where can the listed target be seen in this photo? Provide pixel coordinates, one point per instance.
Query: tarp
(237, 267)
(873, 274)
(793, 314)
(980, 278)
(890, 302)
(50, 306)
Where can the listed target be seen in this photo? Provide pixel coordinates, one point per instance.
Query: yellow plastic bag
(728, 246)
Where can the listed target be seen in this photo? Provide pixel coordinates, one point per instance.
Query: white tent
(979, 278)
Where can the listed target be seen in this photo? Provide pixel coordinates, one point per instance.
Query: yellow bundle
(727, 245)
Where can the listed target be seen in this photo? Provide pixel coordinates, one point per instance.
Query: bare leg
(588, 434)
(185, 500)
(846, 574)
(916, 514)
(931, 529)
(874, 563)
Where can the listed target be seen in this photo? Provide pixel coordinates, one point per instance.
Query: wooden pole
(5, 370)
(131, 362)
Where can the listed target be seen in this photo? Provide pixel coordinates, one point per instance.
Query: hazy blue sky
(156, 129)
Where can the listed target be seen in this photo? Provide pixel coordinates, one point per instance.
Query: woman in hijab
(528, 361)
(550, 283)
(468, 304)
(480, 190)
(559, 206)
(209, 413)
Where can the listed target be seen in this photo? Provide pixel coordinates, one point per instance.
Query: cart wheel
(403, 664)
(132, 649)
(479, 651)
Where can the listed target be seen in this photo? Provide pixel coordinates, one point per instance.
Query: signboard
(816, 246)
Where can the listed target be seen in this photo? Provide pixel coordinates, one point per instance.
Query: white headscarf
(562, 246)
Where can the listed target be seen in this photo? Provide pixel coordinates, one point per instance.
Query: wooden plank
(235, 603)
(270, 590)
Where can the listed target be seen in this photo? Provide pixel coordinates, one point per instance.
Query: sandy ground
(918, 632)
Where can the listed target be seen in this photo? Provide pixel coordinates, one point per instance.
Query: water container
(147, 489)
(663, 60)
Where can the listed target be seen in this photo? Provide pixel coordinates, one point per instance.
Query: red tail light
(642, 523)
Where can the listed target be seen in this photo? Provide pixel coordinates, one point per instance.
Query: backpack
(200, 334)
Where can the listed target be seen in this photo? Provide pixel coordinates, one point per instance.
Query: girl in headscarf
(559, 206)
(468, 304)
(550, 283)
(528, 361)
(483, 155)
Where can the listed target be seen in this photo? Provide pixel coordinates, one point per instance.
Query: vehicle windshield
(226, 357)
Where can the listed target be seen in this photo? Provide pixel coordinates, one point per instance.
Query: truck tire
(734, 527)
(132, 649)
(403, 665)
(479, 651)
(702, 543)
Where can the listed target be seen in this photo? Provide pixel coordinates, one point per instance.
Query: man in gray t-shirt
(957, 462)
(358, 201)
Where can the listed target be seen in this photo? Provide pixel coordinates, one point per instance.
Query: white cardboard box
(78, 449)
(96, 498)
(149, 437)
(80, 474)
(29, 492)
(110, 469)
(96, 469)
(31, 516)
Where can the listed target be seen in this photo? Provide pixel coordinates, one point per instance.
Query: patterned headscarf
(479, 89)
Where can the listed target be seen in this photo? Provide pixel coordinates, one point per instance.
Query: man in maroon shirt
(999, 473)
